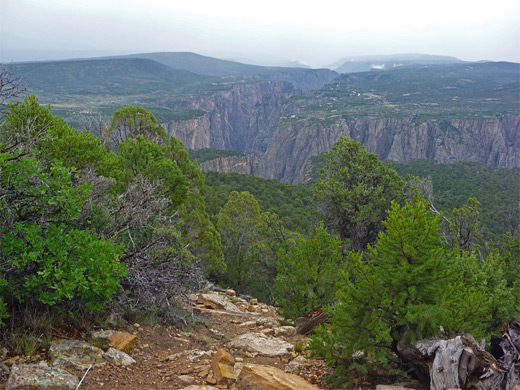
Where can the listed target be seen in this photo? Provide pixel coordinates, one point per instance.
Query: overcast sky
(316, 32)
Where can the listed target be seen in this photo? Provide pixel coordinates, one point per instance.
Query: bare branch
(11, 85)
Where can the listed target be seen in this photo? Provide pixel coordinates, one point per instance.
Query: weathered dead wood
(306, 323)
(460, 362)
(507, 352)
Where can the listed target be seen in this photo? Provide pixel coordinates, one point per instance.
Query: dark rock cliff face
(493, 141)
(259, 119)
(237, 164)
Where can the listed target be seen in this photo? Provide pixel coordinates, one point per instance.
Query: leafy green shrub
(45, 258)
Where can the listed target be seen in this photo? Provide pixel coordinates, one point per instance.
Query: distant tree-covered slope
(103, 76)
(211, 66)
(425, 91)
(497, 189)
(207, 154)
(289, 202)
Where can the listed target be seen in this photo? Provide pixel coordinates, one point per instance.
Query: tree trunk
(461, 363)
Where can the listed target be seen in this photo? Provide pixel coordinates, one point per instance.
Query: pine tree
(402, 290)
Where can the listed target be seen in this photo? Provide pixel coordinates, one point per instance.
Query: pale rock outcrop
(236, 164)
(74, 355)
(38, 377)
(296, 365)
(265, 345)
(113, 355)
(285, 331)
(217, 301)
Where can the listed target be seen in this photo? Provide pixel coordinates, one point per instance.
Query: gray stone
(186, 378)
(115, 356)
(218, 301)
(285, 331)
(74, 354)
(37, 377)
(268, 322)
(296, 365)
(265, 345)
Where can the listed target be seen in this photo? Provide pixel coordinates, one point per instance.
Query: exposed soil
(213, 329)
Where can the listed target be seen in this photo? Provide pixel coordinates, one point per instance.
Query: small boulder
(268, 322)
(296, 365)
(285, 331)
(74, 355)
(265, 345)
(231, 293)
(116, 356)
(121, 341)
(186, 378)
(223, 366)
(37, 377)
(256, 377)
(217, 302)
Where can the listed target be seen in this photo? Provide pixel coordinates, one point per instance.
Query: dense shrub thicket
(83, 226)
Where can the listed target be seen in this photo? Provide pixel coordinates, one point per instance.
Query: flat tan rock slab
(200, 387)
(36, 377)
(218, 302)
(257, 377)
(259, 342)
(121, 341)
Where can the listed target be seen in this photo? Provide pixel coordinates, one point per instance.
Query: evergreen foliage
(130, 121)
(291, 203)
(354, 193)
(307, 273)
(250, 241)
(497, 190)
(79, 221)
(403, 289)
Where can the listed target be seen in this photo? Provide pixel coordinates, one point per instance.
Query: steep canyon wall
(260, 119)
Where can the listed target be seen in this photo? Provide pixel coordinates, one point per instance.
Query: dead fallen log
(461, 363)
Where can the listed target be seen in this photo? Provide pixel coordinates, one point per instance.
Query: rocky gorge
(263, 119)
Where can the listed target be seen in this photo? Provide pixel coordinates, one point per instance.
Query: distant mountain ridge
(389, 62)
(301, 78)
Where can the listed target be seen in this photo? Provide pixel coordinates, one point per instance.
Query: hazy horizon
(273, 32)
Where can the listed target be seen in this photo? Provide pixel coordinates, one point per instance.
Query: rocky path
(171, 358)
